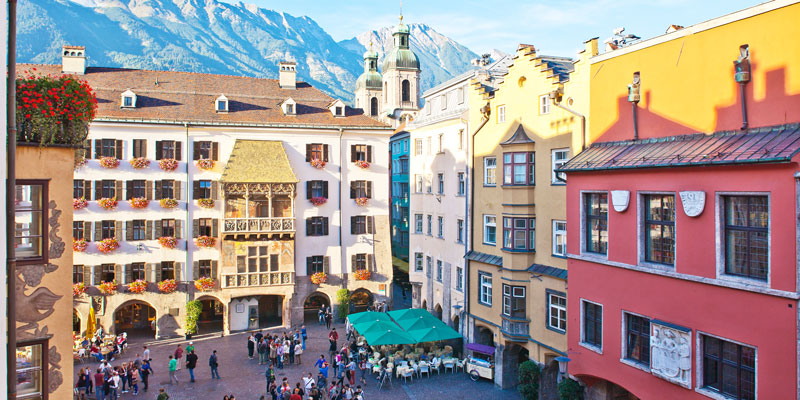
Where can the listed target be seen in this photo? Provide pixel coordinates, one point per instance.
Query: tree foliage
(193, 310)
(343, 298)
(569, 389)
(529, 374)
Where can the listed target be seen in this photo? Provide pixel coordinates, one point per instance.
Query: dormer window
(128, 99)
(337, 108)
(289, 107)
(339, 111)
(221, 104)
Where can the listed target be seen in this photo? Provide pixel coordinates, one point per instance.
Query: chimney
(73, 60)
(287, 74)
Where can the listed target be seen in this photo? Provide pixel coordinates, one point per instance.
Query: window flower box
(168, 242)
(203, 284)
(80, 245)
(168, 164)
(107, 246)
(205, 203)
(317, 163)
(139, 163)
(79, 204)
(78, 289)
(138, 286)
(319, 278)
(109, 162)
(318, 201)
(139, 202)
(206, 241)
(362, 201)
(107, 288)
(108, 204)
(205, 164)
(167, 286)
(363, 275)
(362, 164)
(80, 162)
(168, 203)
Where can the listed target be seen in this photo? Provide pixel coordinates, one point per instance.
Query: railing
(251, 279)
(253, 225)
(515, 328)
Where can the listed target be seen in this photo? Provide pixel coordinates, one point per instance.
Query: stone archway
(360, 300)
(600, 389)
(511, 357)
(312, 304)
(424, 304)
(137, 318)
(437, 311)
(548, 385)
(484, 335)
(212, 317)
(457, 323)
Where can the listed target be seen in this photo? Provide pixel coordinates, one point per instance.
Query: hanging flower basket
(79, 204)
(167, 286)
(317, 163)
(139, 163)
(138, 286)
(107, 246)
(80, 245)
(206, 241)
(319, 278)
(205, 203)
(363, 275)
(168, 242)
(139, 202)
(107, 288)
(108, 204)
(318, 201)
(203, 284)
(362, 164)
(362, 201)
(205, 164)
(168, 164)
(109, 162)
(78, 289)
(168, 203)
(80, 162)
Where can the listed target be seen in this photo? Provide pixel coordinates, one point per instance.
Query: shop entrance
(137, 319)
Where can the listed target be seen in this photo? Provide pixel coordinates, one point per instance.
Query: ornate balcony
(256, 279)
(515, 329)
(258, 225)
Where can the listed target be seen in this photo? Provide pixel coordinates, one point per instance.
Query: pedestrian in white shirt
(298, 351)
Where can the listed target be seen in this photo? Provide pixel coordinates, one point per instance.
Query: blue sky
(556, 27)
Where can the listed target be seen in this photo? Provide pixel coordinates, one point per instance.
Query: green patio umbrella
(367, 326)
(434, 333)
(387, 333)
(368, 316)
(409, 313)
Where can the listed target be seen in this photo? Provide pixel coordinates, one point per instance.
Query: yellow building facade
(533, 122)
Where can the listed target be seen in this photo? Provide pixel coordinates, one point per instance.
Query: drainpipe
(11, 183)
(486, 111)
(635, 122)
(744, 104)
(579, 115)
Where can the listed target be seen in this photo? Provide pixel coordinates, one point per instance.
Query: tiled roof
(484, 258)
(169, 96)
(549, 271)
(255, 161)
(772, 144)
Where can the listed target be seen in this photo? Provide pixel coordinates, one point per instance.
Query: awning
(481, 348)
(423, 326)
(258, 161)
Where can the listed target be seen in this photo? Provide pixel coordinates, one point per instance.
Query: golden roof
(258, 161)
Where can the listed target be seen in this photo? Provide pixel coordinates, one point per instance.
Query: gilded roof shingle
(257, 161)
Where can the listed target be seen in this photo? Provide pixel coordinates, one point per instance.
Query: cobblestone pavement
(245, 379)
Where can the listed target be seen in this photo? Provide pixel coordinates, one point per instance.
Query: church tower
(369, 86)
(400, 78)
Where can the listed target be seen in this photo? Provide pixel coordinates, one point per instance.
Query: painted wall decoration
(620, 199)
(671, 354)
(693, 202)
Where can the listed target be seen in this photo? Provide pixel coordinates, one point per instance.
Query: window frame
(510, 165)
(169, 268)
(77, 273)
(710, 391)
(43, 368)
(107, 268)
(440, 226)
(723, 228)
(139, 229)
(108, 189)
(460, 230)
(138, 186)
(418, 223)
(645, 224)
(626, 348)
(510, 303)
(419, 262)
(78, 230)
(168, 224)
(487, 169)
(486, 226)
(555, 235)
(549, 311)
(418, 146)
(204, 189)
(485, 288)
(108, 229)
(558, 178)
(598, 348)
(317, 226)
(461, 184)
(439, 270)
(544, 104)
(459, 278)
(316, 264)
(501, 113)
(205, 225)
(586, 223)
(440, 182)
(511, 229)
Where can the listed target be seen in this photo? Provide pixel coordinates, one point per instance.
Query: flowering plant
(206, 241)
(78, 289)
(317, 163)
(79, 204)
(167, 286)
(109, 162)
(107, 288)
(205, 164)
(205, 203)
(319, 277)
(168, 164)
(363, 274)
(168, 203)
(168, 242)
(137, 286)
(362, 164)
(139, 163)
(80, 245)
(80, 161)
(139, 202)
(318, 201)
(362, 201)
(204, 283)
(108, 204)
(106, 246)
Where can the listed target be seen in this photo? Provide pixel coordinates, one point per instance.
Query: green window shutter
(157, 194)
(308, 266)
(118, 229)
(179, 229)
(98, 190)
(128, 273)
(118, 148)
(157, 268)
(129, 231)
(87, 275)
(195, 228)
(157, 229)
(97, 275)
(214, 269)
(176, 185)
(87, 231)
(215, 227)
(148, 230)
(353, 263)
(178, 152)
(215, 151)
(98, 231)
(196, 270)
(148, 190)
(214, 190)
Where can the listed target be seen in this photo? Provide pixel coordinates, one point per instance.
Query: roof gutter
(702, 164)
(236, 124)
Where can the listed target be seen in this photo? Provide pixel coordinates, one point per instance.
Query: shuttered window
(139, 148)
(137, 272)
(167, 270)
(317, 226)
(361, 189)
(361, 224)
(168, 149)
(361, 152)
(206, 150)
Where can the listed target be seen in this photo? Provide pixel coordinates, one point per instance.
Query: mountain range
(214, 37)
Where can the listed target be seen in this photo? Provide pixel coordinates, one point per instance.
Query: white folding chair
(424, 368)
(408, 373)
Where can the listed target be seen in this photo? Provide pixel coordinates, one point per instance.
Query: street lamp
(562, 366)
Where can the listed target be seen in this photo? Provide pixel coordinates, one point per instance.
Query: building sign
(693, 202)
(620, 199)
(382, 289)
(671, 353)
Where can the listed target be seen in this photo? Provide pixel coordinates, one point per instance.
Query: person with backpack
(162, 394)
(147, 370)
(191, 364)
(262, 351)
(270, 375)
(214, 364)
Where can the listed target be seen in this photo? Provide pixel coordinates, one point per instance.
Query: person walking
(328, 319)
(303, 335)
(321, 315)
(214, 364)
(250, 346)
(351, 372)
(162, 394)
(99, 379)
(189, 349)
(178, 356)
(298, 351)
(133, 378)
(173, 366)
(147, 370)
(146, 354)
(191, 364)
(273, 353)
(262, 352)
(308, 382)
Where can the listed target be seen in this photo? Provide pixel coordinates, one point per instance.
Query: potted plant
(168, 164)
(79, 204)
(193, 310)
(205, 203)
(107, 288)
(109, 162)
(138, 286)
(318, 201)
(139, 163)
(362, 201)
(168, 203)
(319, 278)
(79, 245)
(203, 284)
(78, 289)
(317, 163)
(362, 164)
(139, 202)
(205, 164)
(168, 242)
(363, 275)
(107, 204)
(343, 298)
(107, 246)
(206, 241)
(167, 286)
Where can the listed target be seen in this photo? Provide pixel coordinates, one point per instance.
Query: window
(77, 273)
(204, 269)
(729, 368)
(167, 270)
(360, 189)
(460, 231)
(440, 180)
(167, 189)
(417, 147)
(203, 189)
(592, 332)
(360, 261)
(137, 272)
(430, 225)
(514, 301)
(559, 157)
(204, 227)
(418, 223)
(485, 294)
(637, 339)
(361, 152)
(560, 238)
(108, 189)
(317, 226)
(489, 229)
(489, 167)
(544, 104)
(747, 236)
(107, 272)
(257, 260)
(274, 262)
(459, 279)
(289, 108)
(418, 262)
(557, 311)
(428, 265)
(361, 224)
(139, 148)
(519, 234)
(440, 227)
(596, 229)
(438, 270)
(317, 189)
(420, 182)
(167, 227)
(659, 228)
(317, 151)
(138, 229)
(168, 149)
(315, 264)
(108, 148)
(127, 101)
(137, 189)
(462, 183)
(501, 114)
(203, 150)
(78, 231)
(32, 366)
(441, 143)
(222, 105)
(460, 139)
(428, 187)
(519, 168)
(107, 229)
(81, 188)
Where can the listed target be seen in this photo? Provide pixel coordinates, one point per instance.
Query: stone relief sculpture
(620, 199)
(671, 354)
(693, 202)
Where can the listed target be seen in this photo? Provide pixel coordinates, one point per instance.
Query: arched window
(385, 92)
(373, 106)
(406, 90)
